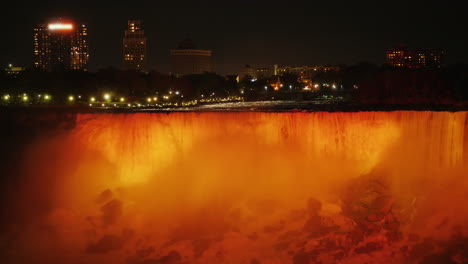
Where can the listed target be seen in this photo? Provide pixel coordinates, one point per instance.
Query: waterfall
(242, 187)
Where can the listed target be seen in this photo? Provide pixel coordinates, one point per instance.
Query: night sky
(260, 33)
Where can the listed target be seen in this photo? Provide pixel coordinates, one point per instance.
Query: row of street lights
(120, 102)
(26, 98)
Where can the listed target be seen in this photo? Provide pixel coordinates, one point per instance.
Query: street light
(93, 99)
(122, 99)
(107, 96)
(71, 98)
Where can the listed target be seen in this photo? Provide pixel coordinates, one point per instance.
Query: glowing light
(60, 26)
(177, 92)
(25, 98)
(46, 97)
(6, 97)
(107, 96)
(71, 98)
(122, 99)
(155, 98)
(149, 99)
(93, 99)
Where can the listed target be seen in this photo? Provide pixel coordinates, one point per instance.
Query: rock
(200, 246)
(253, 236)
(412, 237)
(274, 228)
(255, 261)
(172, 258)
(421, 249)
(370, 247)
(301, 258)
(394, 236)
(282, 246)
(313, 207)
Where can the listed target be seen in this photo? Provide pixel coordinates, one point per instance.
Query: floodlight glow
(60, 26)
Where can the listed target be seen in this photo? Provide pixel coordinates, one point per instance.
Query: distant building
(255, 73)
(134, 47)
(305, 73)
(187, 59)
(264, 73)
(14, 70)
(61, 46)
(403, 57)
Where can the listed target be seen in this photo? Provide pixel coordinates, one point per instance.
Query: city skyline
(257, 33)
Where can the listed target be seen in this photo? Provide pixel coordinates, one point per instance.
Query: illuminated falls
(251, 187)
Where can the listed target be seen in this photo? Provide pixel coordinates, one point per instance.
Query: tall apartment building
(134, 47)
(187, 59)
(61, 45)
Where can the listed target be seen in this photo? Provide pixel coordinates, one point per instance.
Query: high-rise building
(61, 46)
(403, 57)
(187, 59)
(134, 47)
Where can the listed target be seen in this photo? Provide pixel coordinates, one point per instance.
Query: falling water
(245, 187)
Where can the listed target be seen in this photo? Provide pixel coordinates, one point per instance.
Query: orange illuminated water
(363, 187)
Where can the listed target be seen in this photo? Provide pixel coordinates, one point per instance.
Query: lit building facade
(255, 73)
(305, 73)
(134, 47)
(403, 57)
(61, 46)
(187, 59)
(14, 70)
